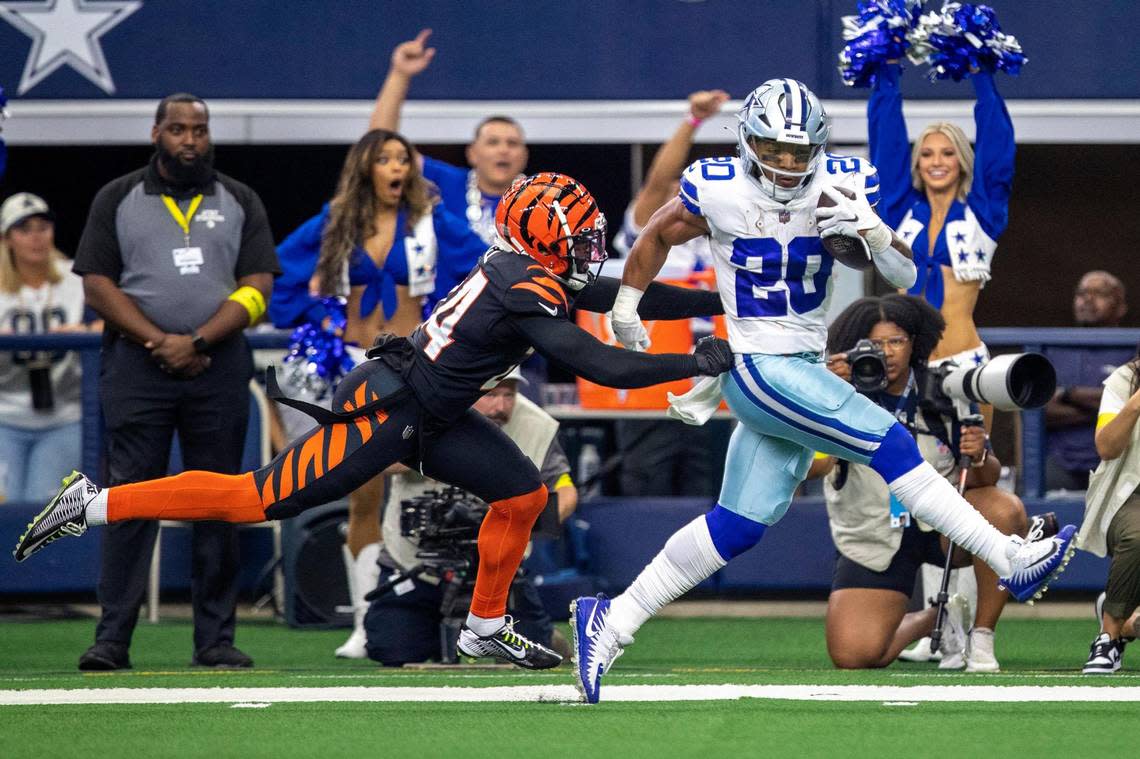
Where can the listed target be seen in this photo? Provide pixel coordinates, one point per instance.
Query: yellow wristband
(1103, 419)
(563, 481)
(251, 299)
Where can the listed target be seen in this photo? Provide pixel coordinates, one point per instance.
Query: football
(849, 251)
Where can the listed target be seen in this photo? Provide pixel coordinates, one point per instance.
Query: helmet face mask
(782, 134)
(553, 219)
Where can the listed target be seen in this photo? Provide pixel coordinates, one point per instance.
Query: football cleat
(1037, 564)
(64, 515)
(507, 645)
(1104, 656)
(596, 644)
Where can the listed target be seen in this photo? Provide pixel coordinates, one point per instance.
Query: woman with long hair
(1112, 516)
(880, 549)
(949, 202)
(389, 246)
(39, 391)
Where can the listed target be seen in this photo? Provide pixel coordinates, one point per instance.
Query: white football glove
(626, 324)
(854, 212)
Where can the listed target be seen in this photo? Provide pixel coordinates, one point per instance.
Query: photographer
(880, 548)
(403, 624)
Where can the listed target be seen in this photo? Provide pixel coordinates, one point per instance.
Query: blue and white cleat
(1037, 564)
(596, 644)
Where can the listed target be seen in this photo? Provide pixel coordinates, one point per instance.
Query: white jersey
(773, 273)
(38, 310)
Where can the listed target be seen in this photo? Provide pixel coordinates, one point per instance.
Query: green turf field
(768, 652)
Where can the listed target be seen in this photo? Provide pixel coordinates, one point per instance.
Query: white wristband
(879, 238)
(625, 304)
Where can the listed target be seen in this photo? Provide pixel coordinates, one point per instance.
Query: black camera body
(445, 523)
(868, 367)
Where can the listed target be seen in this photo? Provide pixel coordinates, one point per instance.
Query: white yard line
(566, 693)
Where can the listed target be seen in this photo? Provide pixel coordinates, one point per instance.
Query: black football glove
(714, 356)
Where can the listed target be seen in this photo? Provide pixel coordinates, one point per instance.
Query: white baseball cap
(516, 375)
(21, 206)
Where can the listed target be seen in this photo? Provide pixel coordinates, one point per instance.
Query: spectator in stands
(1112, 515)
(668, 457)
(949, 204)
(403, 624)
(178, 259)
(880, 548)
(497, 154)
(385, 233)
(1071, 415)
(39, 390)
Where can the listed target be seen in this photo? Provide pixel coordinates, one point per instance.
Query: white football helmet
(782, 118)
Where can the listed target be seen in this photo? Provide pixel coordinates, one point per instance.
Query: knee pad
(896, 455)
(731, 533)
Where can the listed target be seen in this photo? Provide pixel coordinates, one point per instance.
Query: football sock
(95, 511)
(190, 496)
(502, 543)
(928, 496)
(688, 558)
(482, 626)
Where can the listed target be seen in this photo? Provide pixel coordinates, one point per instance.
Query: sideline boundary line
(567, 694)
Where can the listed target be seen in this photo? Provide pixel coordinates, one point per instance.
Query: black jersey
(509, 306)
(471, 339)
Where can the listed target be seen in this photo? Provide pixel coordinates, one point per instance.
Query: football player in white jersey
(759, 212)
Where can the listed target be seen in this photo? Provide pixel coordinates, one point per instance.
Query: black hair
(177, 97)
(496, 120)
(921, 321)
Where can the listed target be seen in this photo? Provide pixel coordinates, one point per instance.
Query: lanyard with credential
(183, 221)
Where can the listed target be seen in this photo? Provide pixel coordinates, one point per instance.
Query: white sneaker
(980, 657)
(954, 638)
(920, 651)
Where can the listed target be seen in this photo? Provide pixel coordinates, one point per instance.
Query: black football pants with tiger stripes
(332, 460)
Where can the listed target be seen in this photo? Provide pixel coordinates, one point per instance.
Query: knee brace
(896, 455)
(731, 533)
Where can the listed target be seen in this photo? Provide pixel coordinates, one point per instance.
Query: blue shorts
(790, 407)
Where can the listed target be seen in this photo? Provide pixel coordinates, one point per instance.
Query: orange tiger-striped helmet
(555, 220)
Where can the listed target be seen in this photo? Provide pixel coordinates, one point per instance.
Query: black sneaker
(221, 656)
(64, 515)
(105, 656)
(507, 645)
(1104, 656)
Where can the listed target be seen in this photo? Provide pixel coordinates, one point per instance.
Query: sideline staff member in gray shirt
(178, 259)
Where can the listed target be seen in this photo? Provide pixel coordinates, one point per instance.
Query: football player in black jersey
(411, 403)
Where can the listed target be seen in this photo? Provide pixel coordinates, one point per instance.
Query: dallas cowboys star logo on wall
(67, 32)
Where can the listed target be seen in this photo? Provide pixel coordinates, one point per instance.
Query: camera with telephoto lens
(868, 367)
(1011, 382)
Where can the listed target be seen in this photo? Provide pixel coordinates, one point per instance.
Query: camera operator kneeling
(403, 623)
(880, 547)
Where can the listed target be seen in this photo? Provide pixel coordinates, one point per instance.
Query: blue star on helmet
(979, 359)
(980, 255)
(960, 238)
(963, 257)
